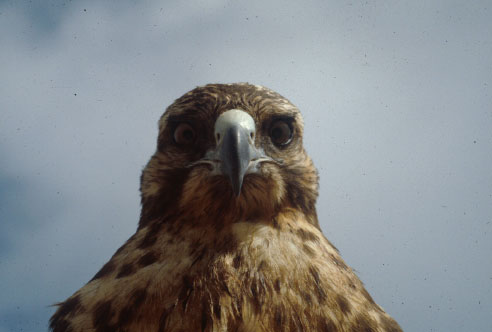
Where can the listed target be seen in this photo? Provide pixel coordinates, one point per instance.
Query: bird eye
(280, 133)
(184, 134)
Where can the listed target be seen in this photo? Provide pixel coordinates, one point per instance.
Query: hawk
(228, 237)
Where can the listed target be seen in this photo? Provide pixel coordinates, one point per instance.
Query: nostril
(218, 137)
(252, 135)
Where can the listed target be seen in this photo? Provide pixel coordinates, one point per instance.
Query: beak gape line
(235, 154)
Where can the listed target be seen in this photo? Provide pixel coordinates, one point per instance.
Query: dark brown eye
(184, 134)
(280, 133)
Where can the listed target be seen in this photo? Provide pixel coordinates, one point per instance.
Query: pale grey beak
(234, 133)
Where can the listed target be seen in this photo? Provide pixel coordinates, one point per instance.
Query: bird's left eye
(184, 134)
(280, 133)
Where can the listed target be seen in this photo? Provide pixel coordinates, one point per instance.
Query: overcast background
(397, 103)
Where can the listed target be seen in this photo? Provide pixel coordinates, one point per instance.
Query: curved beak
(234, 133)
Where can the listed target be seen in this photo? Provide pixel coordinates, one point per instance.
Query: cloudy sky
(397, 102)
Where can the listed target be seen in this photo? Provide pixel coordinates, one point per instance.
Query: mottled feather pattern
(205, 260)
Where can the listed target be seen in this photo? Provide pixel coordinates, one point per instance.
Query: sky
(397, 103)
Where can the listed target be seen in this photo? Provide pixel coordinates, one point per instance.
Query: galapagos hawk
(228, 237)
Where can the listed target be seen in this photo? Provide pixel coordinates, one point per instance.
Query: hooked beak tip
(236, 187)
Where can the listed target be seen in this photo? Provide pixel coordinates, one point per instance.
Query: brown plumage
(210, 254)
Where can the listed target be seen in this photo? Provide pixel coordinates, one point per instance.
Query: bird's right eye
(184, 134)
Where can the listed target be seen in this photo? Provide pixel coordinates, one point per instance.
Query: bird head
(229, 152)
